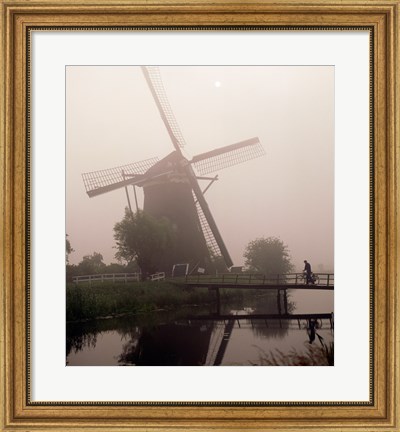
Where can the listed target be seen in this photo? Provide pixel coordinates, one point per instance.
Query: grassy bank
(314, 355)
(107, 299)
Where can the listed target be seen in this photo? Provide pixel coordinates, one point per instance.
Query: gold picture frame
(17, 412)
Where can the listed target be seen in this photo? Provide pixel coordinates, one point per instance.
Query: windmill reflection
(194, 340)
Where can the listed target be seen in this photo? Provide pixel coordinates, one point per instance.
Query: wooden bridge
(280, 283)
(323, 281)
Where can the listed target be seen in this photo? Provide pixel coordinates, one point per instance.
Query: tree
(145, 239)
(115, 268)
(68, 249)
(269, 256)
(69, 269)
(91, 264)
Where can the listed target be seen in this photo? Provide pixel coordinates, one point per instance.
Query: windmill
(171, 187)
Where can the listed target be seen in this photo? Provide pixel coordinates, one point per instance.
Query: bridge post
(218, 301)
(278, 300)
(285, 301)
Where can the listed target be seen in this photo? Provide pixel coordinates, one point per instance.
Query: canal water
(196, 336)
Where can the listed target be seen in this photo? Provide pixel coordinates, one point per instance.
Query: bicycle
(302, 278)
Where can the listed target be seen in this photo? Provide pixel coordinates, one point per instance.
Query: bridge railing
(322, 279)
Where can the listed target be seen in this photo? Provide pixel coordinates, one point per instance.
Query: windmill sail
(208, 234)
(227, 156)
(99, 182)
(208, 216)
(154, 81)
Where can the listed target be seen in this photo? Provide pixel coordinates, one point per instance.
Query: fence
(112, 277)
(157, 276)
(116, 277)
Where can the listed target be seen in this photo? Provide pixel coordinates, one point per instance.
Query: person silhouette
(307, 271)
(311, 330)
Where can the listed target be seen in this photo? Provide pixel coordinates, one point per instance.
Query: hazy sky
(112, 120)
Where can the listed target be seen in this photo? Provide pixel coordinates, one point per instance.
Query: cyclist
(308, 272)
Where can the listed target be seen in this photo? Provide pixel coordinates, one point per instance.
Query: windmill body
(170, 196)
(172, 190)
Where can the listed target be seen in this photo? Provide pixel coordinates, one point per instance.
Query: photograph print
(199, 215)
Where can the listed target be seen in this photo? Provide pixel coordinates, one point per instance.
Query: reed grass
(84, 301)
(314, 355)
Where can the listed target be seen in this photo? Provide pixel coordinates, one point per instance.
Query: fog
(112, 120)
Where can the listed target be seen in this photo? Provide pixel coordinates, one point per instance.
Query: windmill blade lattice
(154, 80)
(207, 232)
(225, 157)
(108, 177)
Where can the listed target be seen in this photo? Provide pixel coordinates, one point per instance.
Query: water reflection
(174, 344)
(240, 335)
